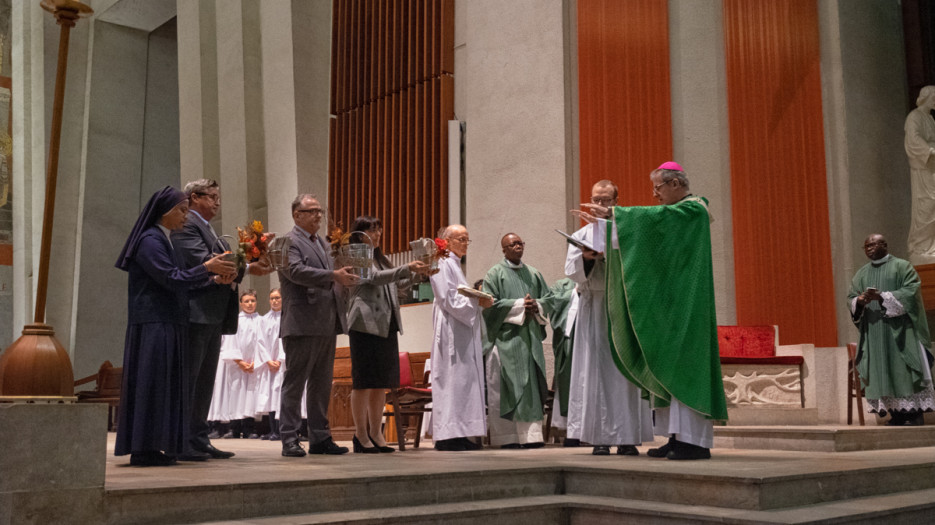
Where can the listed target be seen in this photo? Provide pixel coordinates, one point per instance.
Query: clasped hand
(246, 366)
(530, 305)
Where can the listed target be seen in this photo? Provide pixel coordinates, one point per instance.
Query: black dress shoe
(228, 435)
(601, 450)
(194, 455)
(681, 450)
(450, 445)
(916, 420)
(327, 446)
(571, 442)
(511, 446)
(470, 445)
(662, 451)
(151, 459)
(627, 450)
(293, 450)
(213, 452)
(360, 449)
(534, 444)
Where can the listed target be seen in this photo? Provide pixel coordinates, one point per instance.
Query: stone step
(823, 438)
(733, 480)
(773, 416)
(905, 507)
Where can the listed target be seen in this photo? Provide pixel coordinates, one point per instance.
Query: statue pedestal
(927, 277)
(52, 461)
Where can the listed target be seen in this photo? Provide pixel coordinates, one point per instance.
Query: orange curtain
(782, 252)
(392, 94)
(623, 83)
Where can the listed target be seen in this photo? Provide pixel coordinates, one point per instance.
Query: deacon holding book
(604, 407)
(516, 382)
(457, 370)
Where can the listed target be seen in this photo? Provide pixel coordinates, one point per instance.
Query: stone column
(700, 134)
(510, 90)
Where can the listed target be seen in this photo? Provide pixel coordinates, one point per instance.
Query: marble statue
(920, 148)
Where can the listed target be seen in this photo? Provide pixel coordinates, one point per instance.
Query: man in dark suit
(212, 311)
(313, 313)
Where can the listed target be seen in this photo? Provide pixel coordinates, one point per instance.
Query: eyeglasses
(465, 240)
(313, 211)
(211, 196)
(602, 201)
(661, 184)
(514, 244)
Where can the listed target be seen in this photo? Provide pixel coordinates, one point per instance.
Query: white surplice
(269, 386)
(243, 345)
(457, 352)
(220, 399)
(604, 408)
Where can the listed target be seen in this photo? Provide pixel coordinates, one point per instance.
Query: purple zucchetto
(674, 166)
(159, 204)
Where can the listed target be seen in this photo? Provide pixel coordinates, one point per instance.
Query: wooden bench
(752, 346)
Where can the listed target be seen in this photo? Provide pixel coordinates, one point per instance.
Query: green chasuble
(561, 296)
(660, 304)
(889, 357)
(523, 387)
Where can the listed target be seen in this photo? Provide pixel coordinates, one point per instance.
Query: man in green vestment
(516, 384)
(661, 315)
(564, 304)
(893, 356)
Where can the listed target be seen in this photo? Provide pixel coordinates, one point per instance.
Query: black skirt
(375, 359)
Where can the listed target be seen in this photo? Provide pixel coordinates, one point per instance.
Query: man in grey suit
(313, 313)
(212, 311)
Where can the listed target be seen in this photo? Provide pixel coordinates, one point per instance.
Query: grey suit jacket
(215, 303)
(312, 302)
(372, 302)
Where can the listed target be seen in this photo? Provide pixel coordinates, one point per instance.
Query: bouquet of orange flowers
(253, 244)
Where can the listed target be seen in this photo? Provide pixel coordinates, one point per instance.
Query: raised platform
(827, 438)
(550, 485)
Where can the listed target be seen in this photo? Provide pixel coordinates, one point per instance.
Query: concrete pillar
(700, 134)
(864, 104)
(510, 91)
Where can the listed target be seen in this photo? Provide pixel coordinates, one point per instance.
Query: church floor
(549, 485)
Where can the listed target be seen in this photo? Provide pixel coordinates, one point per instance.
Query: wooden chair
(106, 390)
(407, 400)
(547, 409)
(854, 388)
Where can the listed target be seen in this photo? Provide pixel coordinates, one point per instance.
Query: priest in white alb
(604, 408)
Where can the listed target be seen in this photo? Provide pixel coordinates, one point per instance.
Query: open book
(470, 292)
(576, 242)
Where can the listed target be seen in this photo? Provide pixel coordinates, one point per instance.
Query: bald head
(458, 239)
(875, 247)
(513, 247)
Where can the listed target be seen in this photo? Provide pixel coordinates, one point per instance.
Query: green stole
(561, 295)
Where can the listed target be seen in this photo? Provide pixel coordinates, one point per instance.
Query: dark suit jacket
(215, 304)
(312, 303)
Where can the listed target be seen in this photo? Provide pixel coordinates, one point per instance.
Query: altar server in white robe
(269, 387)
(242, 350)
(219, 409)
(604, 408)
(458, 407)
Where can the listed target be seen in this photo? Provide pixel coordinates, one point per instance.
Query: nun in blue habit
(153, 417)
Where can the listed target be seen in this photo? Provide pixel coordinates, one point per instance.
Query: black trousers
(204, 347)
(309, 367)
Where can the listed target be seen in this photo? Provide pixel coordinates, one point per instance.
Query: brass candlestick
(36, 364)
